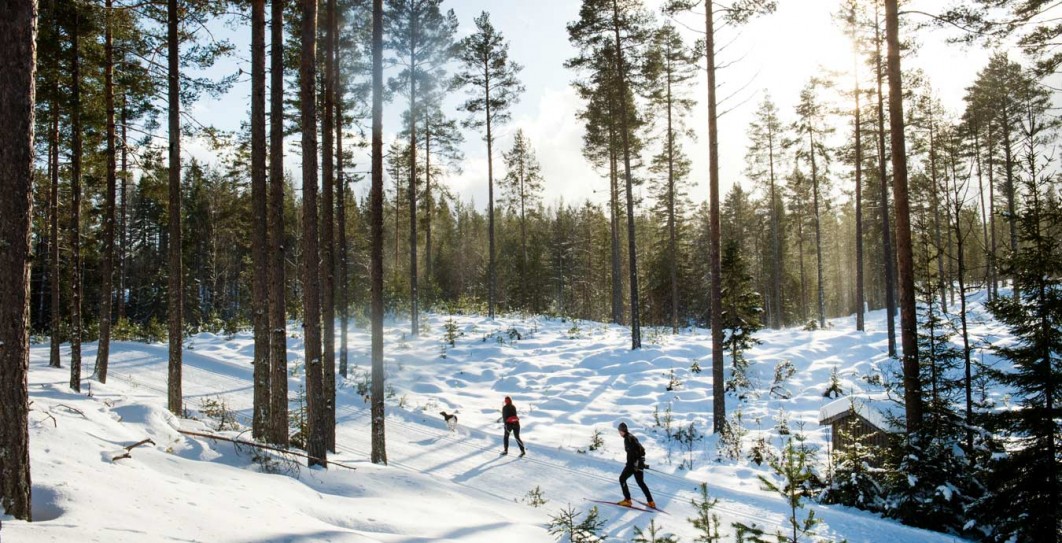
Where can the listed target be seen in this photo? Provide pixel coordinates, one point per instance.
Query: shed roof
(877, 408)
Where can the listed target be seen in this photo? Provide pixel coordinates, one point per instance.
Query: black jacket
(509, 415)
(635, 451)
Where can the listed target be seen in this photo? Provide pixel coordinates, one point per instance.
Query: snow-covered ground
(568, 379)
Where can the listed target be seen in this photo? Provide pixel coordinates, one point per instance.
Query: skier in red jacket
(512, 424)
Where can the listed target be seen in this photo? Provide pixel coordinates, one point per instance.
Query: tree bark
(860, 325)
(122, 216)
(341, 205)
(18, 39)
(888, 257)
(905, 257)
(316, 444)
(613, 173)
(414, 296)
(328, 264)
(632, 254)
(492, 279)
(107, 272)
(55, 277)
(818, 231)
(672, 236)
(278, 323)
(75, 203)
(176, 268)
(260, 275)
(379, 449)
(718, 391)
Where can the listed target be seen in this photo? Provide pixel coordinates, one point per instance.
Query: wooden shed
(867, 419)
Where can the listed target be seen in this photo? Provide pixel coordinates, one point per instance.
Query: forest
(871, 193)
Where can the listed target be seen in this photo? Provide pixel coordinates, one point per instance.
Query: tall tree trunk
(18, 41)
(260, 276)
(75, 203)
(107, 275)
(328, 264)
(992, 256)
(341, 204)
(613, 175)
(984, 215)
(938, 240)
(860, 325)
(428, 212)
(778, 310)
(908, 317)
(1009, 189)
(414, 295)
(718, 391)
(123, 226)
(55, 275)
(672, 247)
(492, 278)
(316, 444)
(176, 268)
(379, 449)
(632, 254)
(960, 243)
(818, 231)
(888, 257)
(278, 322)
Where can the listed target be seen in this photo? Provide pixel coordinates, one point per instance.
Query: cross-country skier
(635, 466)
(512, 424)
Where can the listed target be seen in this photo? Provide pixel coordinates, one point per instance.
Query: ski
(634, 507)
(646, 505)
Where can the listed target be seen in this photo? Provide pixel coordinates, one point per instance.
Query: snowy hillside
(568, 380)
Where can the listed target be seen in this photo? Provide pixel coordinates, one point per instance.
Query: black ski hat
(623, 427)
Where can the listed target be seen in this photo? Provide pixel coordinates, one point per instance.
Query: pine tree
(671, 65)
(421, 37)
(764, 154)
(316, 441)
(18, 50)
(491, 80)
(619, 26)
(379, 449)
(278, 322)
(809, 141)
(521, 193)
(738, 12)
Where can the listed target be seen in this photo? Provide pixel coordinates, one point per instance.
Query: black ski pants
(515, 429)
(639, 477)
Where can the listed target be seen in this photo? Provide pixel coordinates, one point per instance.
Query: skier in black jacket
(512, 424)
(635, 466)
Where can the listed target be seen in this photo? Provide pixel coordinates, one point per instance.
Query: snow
(439, 485)
(878, 408)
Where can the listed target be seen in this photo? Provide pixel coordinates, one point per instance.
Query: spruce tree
(1027, 478)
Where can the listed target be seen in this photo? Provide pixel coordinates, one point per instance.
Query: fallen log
(266, 447)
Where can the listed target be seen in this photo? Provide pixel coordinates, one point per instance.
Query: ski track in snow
(568, 379)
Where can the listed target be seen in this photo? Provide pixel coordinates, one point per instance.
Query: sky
(776, 54)
(570, 380)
